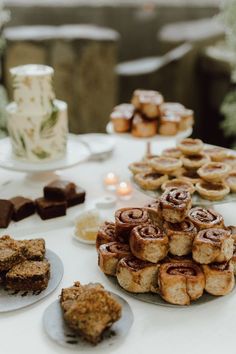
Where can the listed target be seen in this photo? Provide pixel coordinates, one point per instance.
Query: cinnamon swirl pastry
(150, 180)
(212, 245)
(148, 102)
(149, 243)
(214, 171)
(126, 219)
(106, 233)
(231, 181)
(175, 204)
(190, 146)
(165, 164)
(181, 282)
(216, 153)
(232, 230)
(219, 278)
(135, 275)
(212, 191)
(139, 167)
(233, 259)
(178, 183)
(195, 161)
(181, 236)
(205, 218)
(172, 152)
(109, 255)
(154, 213)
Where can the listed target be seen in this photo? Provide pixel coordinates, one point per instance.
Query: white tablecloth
(195, 329)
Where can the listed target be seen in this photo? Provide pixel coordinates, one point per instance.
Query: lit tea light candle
(110, 181)
(124, 190)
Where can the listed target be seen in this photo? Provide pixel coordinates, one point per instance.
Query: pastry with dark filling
(204, 218)
(195, 161)
(172, 152)
(139, 167)
(190, 146)
(178, 183)
(150, 180)
(219, 278)
(214, 171)
(231, 181)
(164, 164)
(106, 233)
(109, 255)
(212, 191)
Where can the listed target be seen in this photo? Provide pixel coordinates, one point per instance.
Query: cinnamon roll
(135, 275)
(172, 152)
(232, 230)
(109, 255)
(139, 167)
(216, 153)
(178, 183)
(190, 146)
(219, 278)
(212, 191)
(154, 213)
(205, 218)
(180, 282)
(150, 180)
(212, 245)
(148, 102)
(175, 204)
(126, 219)
(149, 243)
(164, 164)
(106, 233)
(233, 259)
(231, 181)
(181, 236)
(214, 171)
(195, 161)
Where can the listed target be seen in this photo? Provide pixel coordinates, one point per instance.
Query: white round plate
(156, 299)
(11, 301)
(59, 332)
(98, 144)
(76, 152)
(179, 136)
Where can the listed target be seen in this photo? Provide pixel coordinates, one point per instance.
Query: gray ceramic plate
(157, 300)
(11, 301)
(58, 331)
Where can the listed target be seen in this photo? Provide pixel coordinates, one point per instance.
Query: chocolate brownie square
(77, 198)
(23, 207)
(59, 190)
(33, 250)
(48, 209)
(10, 253)
(6, 211)
(28, 276)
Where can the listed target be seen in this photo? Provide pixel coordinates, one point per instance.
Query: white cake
(37, 123)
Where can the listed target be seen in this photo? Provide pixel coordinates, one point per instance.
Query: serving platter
(59, 332)
(11, 301)
(153, 298)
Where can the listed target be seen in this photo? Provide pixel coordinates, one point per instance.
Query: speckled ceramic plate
(58, 331)
(11, 301)
(156, 299)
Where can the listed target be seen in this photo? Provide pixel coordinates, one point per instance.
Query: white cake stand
(76, 153)
(161, 138)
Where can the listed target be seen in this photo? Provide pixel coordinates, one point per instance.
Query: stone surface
(84, 58)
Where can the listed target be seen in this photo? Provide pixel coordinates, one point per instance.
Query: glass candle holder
(110, 181)
(124, 190)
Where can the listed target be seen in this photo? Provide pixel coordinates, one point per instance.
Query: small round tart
(147, 158)
(189, 175)
(214, 171)
(150, 180)
(230, 159)
(190, 146)
(231, 181)
(178, 183)
(216, 153)
(195, 161)
(212, 191)
(139, 167)
(172, 152)
(165, 164)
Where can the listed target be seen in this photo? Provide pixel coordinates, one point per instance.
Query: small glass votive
(110, 181)
(124, 190)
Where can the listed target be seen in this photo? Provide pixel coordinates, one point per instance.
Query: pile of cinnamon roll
(211, 172)
(148, 114)
(169, 248)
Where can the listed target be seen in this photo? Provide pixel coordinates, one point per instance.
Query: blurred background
(102, 50)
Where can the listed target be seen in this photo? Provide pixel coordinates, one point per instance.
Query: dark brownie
(59, 190)
(23, 207)
(33, 250)
(6, 211)
(77, 198)
(48, 209)
(29, 275)
(10, 253)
